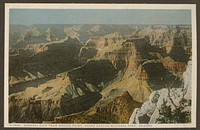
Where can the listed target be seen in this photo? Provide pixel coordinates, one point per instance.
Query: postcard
(100, 65)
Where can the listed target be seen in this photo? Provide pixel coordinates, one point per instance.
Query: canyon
(93, 73)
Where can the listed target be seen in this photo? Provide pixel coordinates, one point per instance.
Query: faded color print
(118, 66)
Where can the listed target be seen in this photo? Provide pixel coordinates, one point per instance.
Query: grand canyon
(100, 73)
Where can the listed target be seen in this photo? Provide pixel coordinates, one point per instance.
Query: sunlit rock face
(174, 98)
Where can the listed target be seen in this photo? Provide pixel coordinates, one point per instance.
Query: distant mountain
(39, 33)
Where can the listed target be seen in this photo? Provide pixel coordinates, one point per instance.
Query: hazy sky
(97, 16)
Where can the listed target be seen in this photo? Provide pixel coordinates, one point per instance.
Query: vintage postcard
(100, 65)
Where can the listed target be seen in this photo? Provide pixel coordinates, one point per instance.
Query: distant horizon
(103, 16)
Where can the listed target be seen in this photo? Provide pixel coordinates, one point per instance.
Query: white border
(99, 6)
(192, 7)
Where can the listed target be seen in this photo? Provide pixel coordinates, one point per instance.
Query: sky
(99, 16)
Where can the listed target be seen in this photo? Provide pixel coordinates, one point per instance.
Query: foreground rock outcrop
(167, 105)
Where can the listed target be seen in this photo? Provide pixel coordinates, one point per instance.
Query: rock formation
(171, 98)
